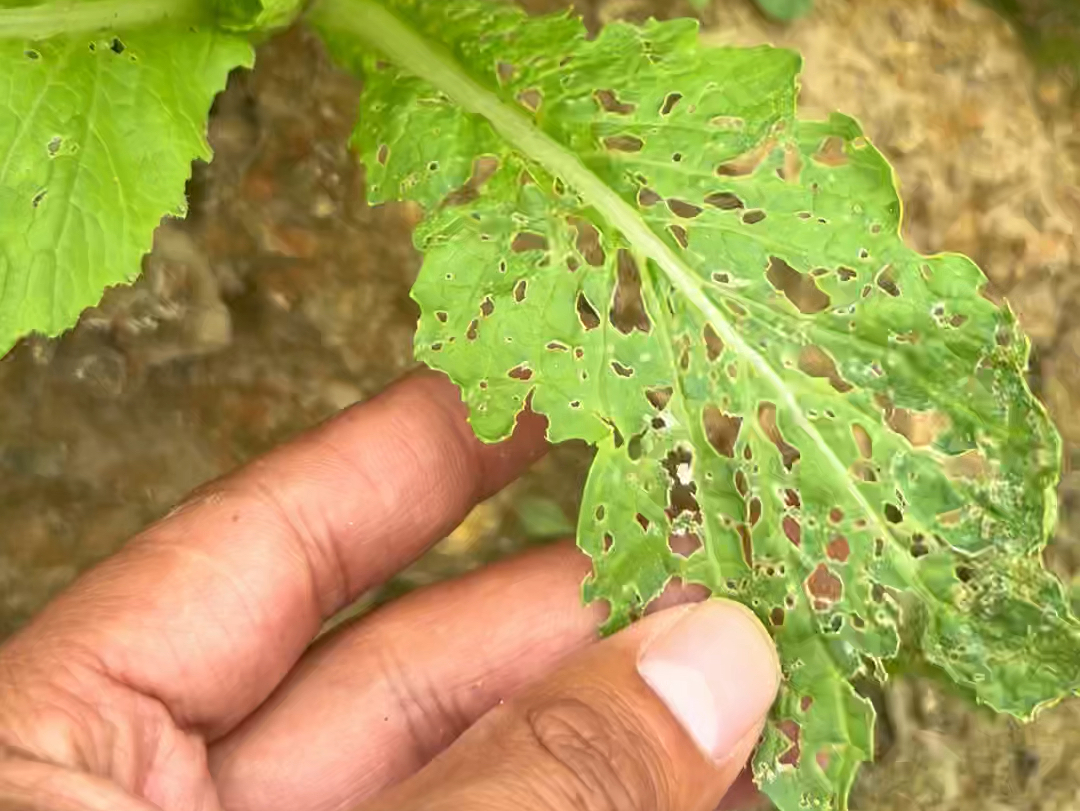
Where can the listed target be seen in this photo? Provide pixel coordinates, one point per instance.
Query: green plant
(638, 237)
(782, 10)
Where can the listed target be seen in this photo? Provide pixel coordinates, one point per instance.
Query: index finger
(207, 610)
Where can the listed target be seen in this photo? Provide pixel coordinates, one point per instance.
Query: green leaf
(98, 129)
(637, 235)
(786, 10)
(248, 15)
(543, 519)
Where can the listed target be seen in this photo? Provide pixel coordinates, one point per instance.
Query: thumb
(660, 717)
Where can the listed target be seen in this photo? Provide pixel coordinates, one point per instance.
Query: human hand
(179, 674)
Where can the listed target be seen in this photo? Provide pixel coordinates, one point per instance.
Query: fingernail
(716, 670)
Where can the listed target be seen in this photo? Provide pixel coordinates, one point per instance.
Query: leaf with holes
(637, 236)
(102, 110)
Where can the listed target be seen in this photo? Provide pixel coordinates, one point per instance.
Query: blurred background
(284, 298)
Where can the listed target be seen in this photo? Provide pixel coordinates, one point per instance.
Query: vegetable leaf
(637, 236)
(783, 10)
(786, 10)
(98, 129)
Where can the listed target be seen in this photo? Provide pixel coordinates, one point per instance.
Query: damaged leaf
(790, 406)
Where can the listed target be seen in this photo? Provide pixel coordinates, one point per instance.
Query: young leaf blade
(97, 134)
(637, 236)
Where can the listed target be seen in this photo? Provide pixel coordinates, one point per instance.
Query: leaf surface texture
(638, 237)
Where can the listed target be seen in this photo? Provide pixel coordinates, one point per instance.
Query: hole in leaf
(628, 309)
(522, 372)
(920, 428)
(520, 289)
(886, 280)
(845, 274)
(487, 307)
(679, 233)
(824, 587)
(39, 197)
(831, 152)
(745, 164)
(919, 547)
(776, 616)
(753, 216)
(725, 201)
(791, 498)
(747, 543)
(529, 241)
(838, 549)
(740, 483)
(588, 242)
(799, 288)
(754, 514)
(684, 544)
(681, 208)
(722, 430)
(609, 103)
(792, 529)
(679, 464)
(383, 154)
(608, 542)
(31, 54)
(505, 72)
(620, 370)
(792, 732)
(530, 99)
(816, 362)
(721, 278)
(442, 315)
(659, 398)
(624, 143)
(471, 332)
(670, 102)
(557, 346)
(587, 314)
(805, 703)
(677, 157)
(714, 344)
(643, 522)
(647, 198)
(116, 46)
(767, 421)
(600, 512)
(863, 441)
(893, 514)
(482, 170)
(836, 515)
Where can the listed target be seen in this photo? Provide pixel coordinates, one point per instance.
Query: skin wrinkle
(306, 543)
(118, 670)
(415, 696)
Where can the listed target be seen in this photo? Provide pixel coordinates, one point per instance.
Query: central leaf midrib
(66, 17)
(383, 31)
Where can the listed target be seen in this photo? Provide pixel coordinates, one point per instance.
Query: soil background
(284, 298)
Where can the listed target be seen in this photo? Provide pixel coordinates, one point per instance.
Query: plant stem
(73, 17)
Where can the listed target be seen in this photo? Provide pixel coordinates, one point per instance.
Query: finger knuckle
(593, 759)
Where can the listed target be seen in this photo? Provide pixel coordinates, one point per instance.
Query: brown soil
(284, 298)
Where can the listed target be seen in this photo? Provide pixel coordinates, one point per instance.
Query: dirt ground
(284, 298)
